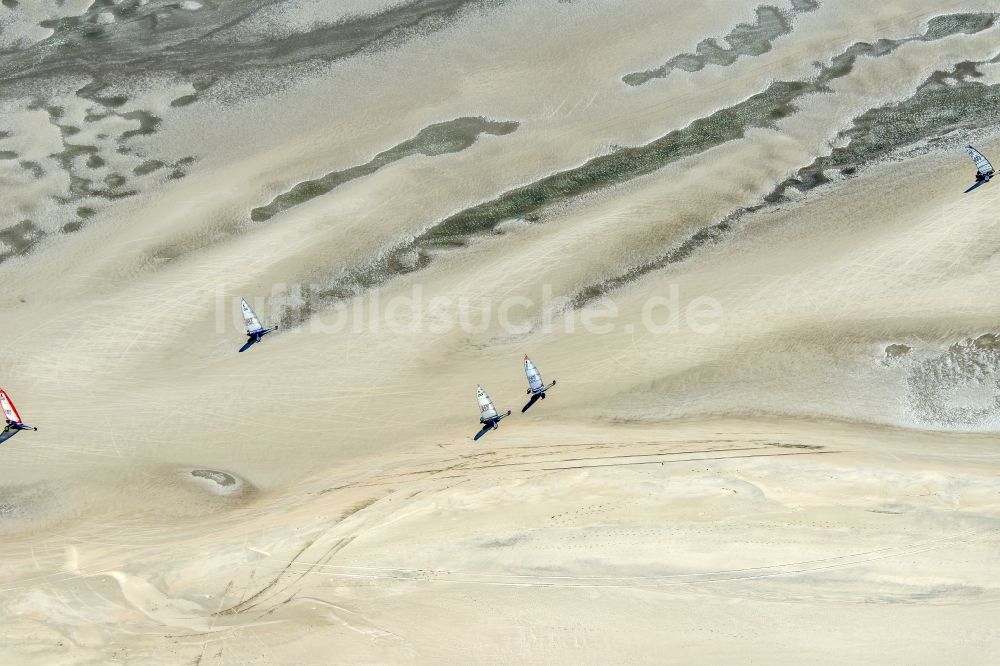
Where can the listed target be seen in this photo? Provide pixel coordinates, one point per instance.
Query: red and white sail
(9, 410)
(250, 317)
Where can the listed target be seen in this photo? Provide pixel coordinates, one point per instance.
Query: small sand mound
(220, 478)
(219, 482)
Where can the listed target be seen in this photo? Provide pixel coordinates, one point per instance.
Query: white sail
(486, 408)
(253, 323)
(983, 165)
(9, 410)
(535, 382)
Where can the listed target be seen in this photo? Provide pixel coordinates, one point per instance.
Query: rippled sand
(810, 476)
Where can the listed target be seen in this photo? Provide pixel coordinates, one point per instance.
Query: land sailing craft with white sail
(488, 415)
(255, 330)
(984, 170)
(536, 387)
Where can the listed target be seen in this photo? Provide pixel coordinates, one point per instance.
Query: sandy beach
(735, 234)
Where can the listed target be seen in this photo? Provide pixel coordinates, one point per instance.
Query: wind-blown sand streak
(937, 110)
(624, 164)
(746, 39)
(438, 139)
